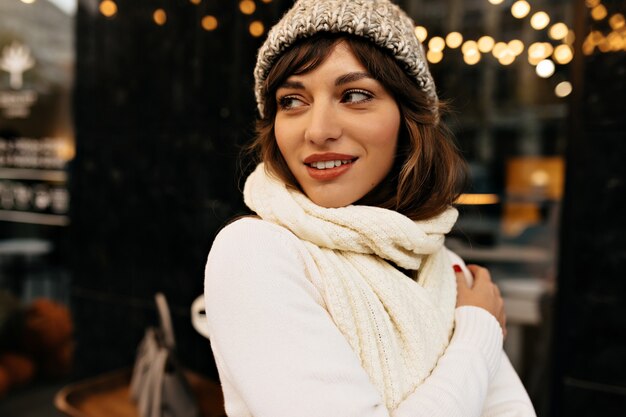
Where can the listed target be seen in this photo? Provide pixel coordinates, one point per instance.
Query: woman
(339, 298)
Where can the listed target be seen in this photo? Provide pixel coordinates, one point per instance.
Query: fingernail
(457, 268)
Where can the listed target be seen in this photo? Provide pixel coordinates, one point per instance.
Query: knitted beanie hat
(380, 21)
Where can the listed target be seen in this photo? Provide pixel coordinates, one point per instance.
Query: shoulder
(252, 249)
(252, 234)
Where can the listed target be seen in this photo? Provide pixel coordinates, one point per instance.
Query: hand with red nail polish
(483, 293)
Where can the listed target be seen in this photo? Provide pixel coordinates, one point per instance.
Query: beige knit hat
(380, 21)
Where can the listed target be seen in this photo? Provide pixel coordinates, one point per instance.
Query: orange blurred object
(20, 368)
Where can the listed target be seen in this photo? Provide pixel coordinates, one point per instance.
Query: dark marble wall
(590, 354)
(159, 113)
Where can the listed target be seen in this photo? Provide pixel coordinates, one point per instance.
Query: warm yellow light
(539, 20)
(506, 57)
(558, 31)
(520, 9)
(434, 56)
(516, 46)
(599, 12)
(545, 68)
(592, 3)
(498, 49)
(475, 199)
(617, 21)
(588, 46)
(266, 1)
(471, 57)
(195, 1)
(563, 54)
(495, 1)
(454, 40)
(570, 37)
(421, 33)
(256, 28)
(159, 16)
(563, 89)
(469, 46)
(108, 8)
(604, 45)
(247, 6)
(28, 1)
(436, 44)
(485, 44)
(616, 41)
(596, 37)
(209, 22)
(540, 50)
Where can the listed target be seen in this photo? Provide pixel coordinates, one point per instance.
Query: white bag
(158, 385)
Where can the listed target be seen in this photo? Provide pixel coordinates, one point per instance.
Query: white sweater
(279, 354)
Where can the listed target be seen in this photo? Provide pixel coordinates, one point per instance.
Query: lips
(328, 166)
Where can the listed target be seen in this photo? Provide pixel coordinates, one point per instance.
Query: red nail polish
(457, 268)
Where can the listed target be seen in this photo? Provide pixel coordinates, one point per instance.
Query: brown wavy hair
(428, 172)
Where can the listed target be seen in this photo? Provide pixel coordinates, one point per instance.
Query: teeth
(329, 164)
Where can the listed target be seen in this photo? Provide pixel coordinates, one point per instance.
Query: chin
(332, 201)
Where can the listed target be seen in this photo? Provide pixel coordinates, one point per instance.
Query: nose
(323, 125)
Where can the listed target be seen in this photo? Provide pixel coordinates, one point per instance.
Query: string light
(539, 20)
(209, 23)
(196, 2)
(563, 89)
(247, 6)
(495, 2)
(558, 31)
(617, 21)
(421, 33)
(108, 8)
(436, 44)
(520, 9)
(266, 1)
(256, 28)
(28, 1)
(454, 40)
(516, 46)
(498, 49)
(469, 46)
(545, 68)
(592, 3)
(599, 12)
(506, 57)
(434, 57)
(471, 57)
(159, 16)
(485, 44)
(563, 54)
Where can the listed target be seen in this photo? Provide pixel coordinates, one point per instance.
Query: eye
(356, 96)
(289, 102)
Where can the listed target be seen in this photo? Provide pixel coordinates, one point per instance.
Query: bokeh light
(545, 68)
(421, 33)
(563, 89)
(520, 9)
(454, 40)
(539, 20)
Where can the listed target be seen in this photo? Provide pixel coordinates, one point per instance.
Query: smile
(330, 164)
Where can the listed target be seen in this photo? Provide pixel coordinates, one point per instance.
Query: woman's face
(337, 129)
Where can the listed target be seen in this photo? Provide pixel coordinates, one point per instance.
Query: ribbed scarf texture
(398, 327)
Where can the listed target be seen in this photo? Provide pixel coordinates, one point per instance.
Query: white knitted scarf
(398, 327)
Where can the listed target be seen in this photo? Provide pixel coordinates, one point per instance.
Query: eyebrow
(344, 79)
(351, 77)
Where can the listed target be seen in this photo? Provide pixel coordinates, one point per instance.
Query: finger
(460, 276)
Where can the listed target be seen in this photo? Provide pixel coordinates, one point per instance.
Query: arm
(506, 396)
(280, 352)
